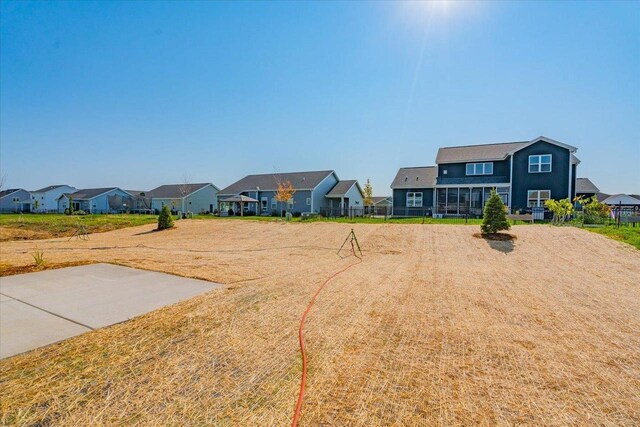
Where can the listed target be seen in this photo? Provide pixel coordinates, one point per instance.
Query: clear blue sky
(137, 94)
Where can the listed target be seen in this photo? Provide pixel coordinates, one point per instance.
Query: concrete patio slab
(82, 298)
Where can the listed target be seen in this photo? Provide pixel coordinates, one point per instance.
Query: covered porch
(235, 203)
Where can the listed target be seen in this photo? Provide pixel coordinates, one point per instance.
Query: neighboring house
(46, 198)
(343, 196)
(413, 190)
(97, 200)
(15, 200)
(196, 198)
(524, 174)
(310, 191)
(381, 205)
(624, 200)
(586, 188)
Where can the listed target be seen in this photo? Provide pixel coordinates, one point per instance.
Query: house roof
(496, 151)
(50, 187)
(177, 191)
(378, 199)
(602, 196)
(584, 185)
(342, 187)
(416, 177)
(470, 153)
(621, 199)
(269, 181)
(9, 191)
(88, 193)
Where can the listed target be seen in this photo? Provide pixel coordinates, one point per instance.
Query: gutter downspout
(510, 184)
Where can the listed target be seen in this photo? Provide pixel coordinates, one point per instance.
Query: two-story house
(525, 174)
(46, 199)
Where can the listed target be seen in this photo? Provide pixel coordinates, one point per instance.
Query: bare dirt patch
(434, 327)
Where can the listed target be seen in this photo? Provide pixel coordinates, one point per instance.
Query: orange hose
(296, 415)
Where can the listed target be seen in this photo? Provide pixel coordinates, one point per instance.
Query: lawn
(44, 226)
(435, 326)
(627, 234)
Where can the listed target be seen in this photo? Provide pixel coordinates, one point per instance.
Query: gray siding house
(196, 198)
(15, 200)
(97, 200)
(586, 188)
(310, 191)
(343, 196)
(525, 174)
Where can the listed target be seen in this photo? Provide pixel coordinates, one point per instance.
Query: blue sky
(137, 94)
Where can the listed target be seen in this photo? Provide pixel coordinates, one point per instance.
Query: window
(480, 168)
(414, 200)
(16, 199)
(274, 204)
(264, 204)
(540, 163)
(290, 202)
(308, 201)
(536, 198)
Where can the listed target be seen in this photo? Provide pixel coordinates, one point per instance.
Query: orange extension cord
(296, 415)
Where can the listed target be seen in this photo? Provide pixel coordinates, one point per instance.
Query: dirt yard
(434, 327)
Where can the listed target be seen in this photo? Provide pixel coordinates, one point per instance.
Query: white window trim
(308, 201)
(484, 168)
(264, 206)
(537, 198)
(540, 163)
(413, 197)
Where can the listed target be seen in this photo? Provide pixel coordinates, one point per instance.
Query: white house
(196, 198)
(46, 199)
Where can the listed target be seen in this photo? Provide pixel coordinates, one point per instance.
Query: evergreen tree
(495, 215)
(164, 220)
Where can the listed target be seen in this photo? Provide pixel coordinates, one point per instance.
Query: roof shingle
(416, 177)
(269, 181)
(176, 191)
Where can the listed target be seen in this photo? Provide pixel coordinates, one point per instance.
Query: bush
(274, 213)
(67, 211)
(80, 212)
(164, 220)
(297, 214)
(230, 212)
(495, 215)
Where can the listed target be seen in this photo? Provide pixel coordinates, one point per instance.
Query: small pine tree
(495, 215)
(164, 220)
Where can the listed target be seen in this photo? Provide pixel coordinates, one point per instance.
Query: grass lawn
(44, 226)
(627, 234)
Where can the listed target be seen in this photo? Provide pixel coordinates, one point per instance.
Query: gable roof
(488, 152)
(416, 177)
(584, 185)
(89, 193)
(9, 191)
(269, 181)
(621, 199)
(379, 199)
(50, 187)
(342, 187)
(177, 191)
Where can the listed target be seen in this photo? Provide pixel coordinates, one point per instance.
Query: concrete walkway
(38, 309)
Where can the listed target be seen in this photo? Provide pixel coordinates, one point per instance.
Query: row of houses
(524, 173)
(59, 198)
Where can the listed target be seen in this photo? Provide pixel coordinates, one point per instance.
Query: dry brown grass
(435, 327)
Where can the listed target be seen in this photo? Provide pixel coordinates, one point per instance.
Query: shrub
(297, 214)
(274, 213)
(561, 209)
(80, 212)
(67, 211)
(495, 215)
(164, 220)
(38, 257)
(230, 212)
